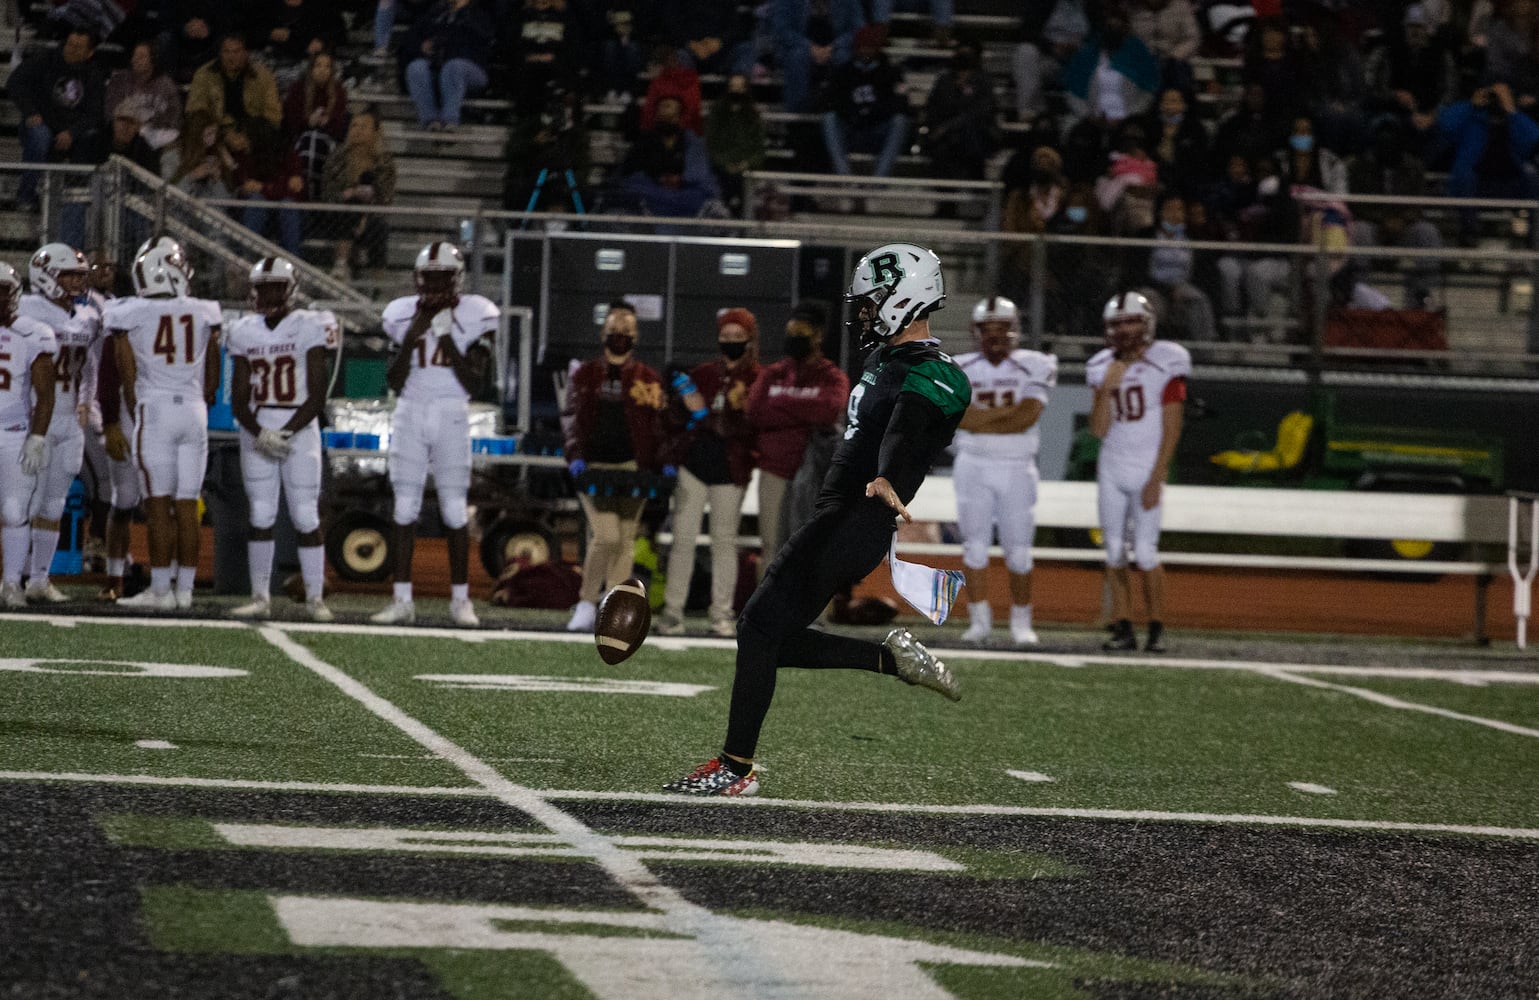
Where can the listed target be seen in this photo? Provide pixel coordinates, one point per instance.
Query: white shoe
(463, 614)
(150, 601)
(397, 613)
(183, 599)
(318, 611)
(977, 632)
(724, 627)
(262, 607)
(46, 594)
(11, 596)
(583, 617)
(1023, 636)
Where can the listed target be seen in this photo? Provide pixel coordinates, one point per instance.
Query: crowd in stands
(1107, 125)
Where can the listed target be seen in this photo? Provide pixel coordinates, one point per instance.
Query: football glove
(34, 454)
(274, 444)
(117, 443)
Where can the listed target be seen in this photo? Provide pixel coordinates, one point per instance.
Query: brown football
(624, 618)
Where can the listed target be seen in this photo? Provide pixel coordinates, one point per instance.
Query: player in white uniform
(166, 345)
(112, 483)
(995, 473)
(442, 358)
(58, 274)
(278, 389)
(27, 348)
(1140, 392)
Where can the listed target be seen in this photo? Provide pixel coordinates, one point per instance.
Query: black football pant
(838, 548)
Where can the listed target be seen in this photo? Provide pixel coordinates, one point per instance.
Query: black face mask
(733, 350)
(798, 348)
(619, 343)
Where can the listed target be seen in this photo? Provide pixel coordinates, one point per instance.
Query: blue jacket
(788, 25)
(1466, 127)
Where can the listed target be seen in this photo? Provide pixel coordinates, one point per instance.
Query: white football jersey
(1020, 376)
(278, 356)
(431, 378)
(169, 337)
(20, 344)
(1157, 378)
(74, 364)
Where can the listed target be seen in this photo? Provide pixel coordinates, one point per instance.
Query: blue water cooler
(69, 557)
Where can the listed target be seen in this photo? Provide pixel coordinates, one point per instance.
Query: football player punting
(57, 274)
(995, 474)
(902, 414)
(166, 346)
(278, 387)
(1140, 391)
(442, 358)
(27, 350)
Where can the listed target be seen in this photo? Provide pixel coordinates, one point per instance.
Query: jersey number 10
(165, 338)
(1128, 402)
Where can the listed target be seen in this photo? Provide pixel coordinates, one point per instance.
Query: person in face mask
(1178, 143)
(1305, 162)
(795, 409)
(1175, 297)
(735, 139)
(711, 441)
(867, 111)
(611, 420)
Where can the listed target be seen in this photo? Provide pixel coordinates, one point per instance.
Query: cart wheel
(508, 540)
(360, 547)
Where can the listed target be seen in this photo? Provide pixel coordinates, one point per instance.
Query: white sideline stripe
(679, 914)
(1410, 706)
(1042, 812)
(1073, 660)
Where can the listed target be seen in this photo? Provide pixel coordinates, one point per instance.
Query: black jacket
(69, 97)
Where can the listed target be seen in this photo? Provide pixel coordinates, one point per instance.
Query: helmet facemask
(272, 298)
(438, 288)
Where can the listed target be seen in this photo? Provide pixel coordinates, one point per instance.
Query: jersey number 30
(275, 380)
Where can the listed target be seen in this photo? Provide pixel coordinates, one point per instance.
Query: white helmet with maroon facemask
(439, 273)
(274, 283)
(1121, 337)
(10, 293)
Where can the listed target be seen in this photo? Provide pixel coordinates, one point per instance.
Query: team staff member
(902, 415)
(612, 420)
(27, 348)
(1140, 392)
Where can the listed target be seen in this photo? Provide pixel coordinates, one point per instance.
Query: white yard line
(265, 786)
(1389, 701)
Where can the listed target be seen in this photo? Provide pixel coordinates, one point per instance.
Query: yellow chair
(1292, 439)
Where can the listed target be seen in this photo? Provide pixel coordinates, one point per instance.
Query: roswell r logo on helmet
(893, 286)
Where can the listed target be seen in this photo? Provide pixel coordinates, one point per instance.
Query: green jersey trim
(942, 384)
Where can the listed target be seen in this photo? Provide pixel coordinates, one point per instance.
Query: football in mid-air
(624, 618)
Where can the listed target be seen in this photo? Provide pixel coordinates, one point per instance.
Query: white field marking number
(1310, 788)
(115, 668)
(155, 745)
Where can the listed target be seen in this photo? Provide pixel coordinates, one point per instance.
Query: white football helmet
(274, 283)
(158, 241)
(439, 273)
(10, 293)
(162, 270)
(1125, 305)
(897, 283)
(997, 309)
(52, 261)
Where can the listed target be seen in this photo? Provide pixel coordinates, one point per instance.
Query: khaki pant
(690, 498)
(611, 538)
(772, 517)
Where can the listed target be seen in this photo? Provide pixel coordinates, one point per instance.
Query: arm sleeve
(108, 386)
(908, 449)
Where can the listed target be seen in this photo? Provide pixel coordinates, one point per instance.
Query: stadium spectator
(1130, 185)
(205, 169)
(709, 35)
(216, 85)
(292, 31)
(795, 408)
(1333, 69)
(611, 420)
(317, 101)
(1254, 285)
(1174, 296)
(1112, 76)
(1512, 48)
(1272, 64)
(1054, 32)
(959, 115)
(126, 139)
(361, 171)
(59, 94)
(1492, 143)
(1253, 129)
(98, 18)
(734, 136)
(868, 112)
(448, 50)
(1179, 145)
(190, 34)
(1029, 206)
(621, 55)
(1076, 277)
(546, 41)
(266, 172)
(668, 170)
(1387, 167)
(1169, 29)
(148, 91)
(710, 441)
(1414, 72)
(811, 37)
(942, 14)
(387, 13)
(678, 81)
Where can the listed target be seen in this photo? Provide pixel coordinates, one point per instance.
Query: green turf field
(286, 810)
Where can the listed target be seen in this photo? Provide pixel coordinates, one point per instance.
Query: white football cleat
(183, 599)
(396, 613)
(318, 611)
(1024, 636)
(262, 607)
(583, 617)
(11, 596)
(977, 632)
(464, 614)
(149, 601)
(45, 594)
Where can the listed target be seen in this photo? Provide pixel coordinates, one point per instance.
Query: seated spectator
(621, 56)
(868, 111)
(205, 168)
(811, 38)
(126, 141)
(673, 81)
(734, 136)
(942, 13)
(959, 115)
(448, 50)
(1261, 286)
(151, 94)
(1112, 77)
(1127, 190)
(361, 171)
(709, 35)
(190, 31)
(234, 73)
(1179, 145)
(1169, 29)
(669, 170)
(59, 94)
(1414, 73)
(1305, 163)
(1337, 89)
(266, 171)
(1492, 143)
(1387, 167)
(1272, 64)
(1253, 129)
(1077, 282)
(1512, 48)
(1030, 208)
(315, 116)
(98, 18)
(292, 31)
(1176, 299)
(1051, 41)
(545, 38)
(387, 13)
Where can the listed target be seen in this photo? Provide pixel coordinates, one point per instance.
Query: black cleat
(1156, 641)
(1122, 638)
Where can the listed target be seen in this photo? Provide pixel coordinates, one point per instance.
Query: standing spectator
(150, 94)
(734, 136)
(1169, 29)
(1111, 77)
(293, 31)
(545, 38)
(1170, 270)
(1179, 145)
(711, 442)
(266, 172)
(677, 80)
(1137, 412)
(360, 172)
(448, 51)
(622, 56)
(1040, 60)
(795, 407)
(59, 94)
(1492, 143)
(669, 170)
(232, 88)
(611, 420)
(709, 35)
(959, 114)
(869, 112)
(811, 38)
(190, 35)
(1414, 73)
